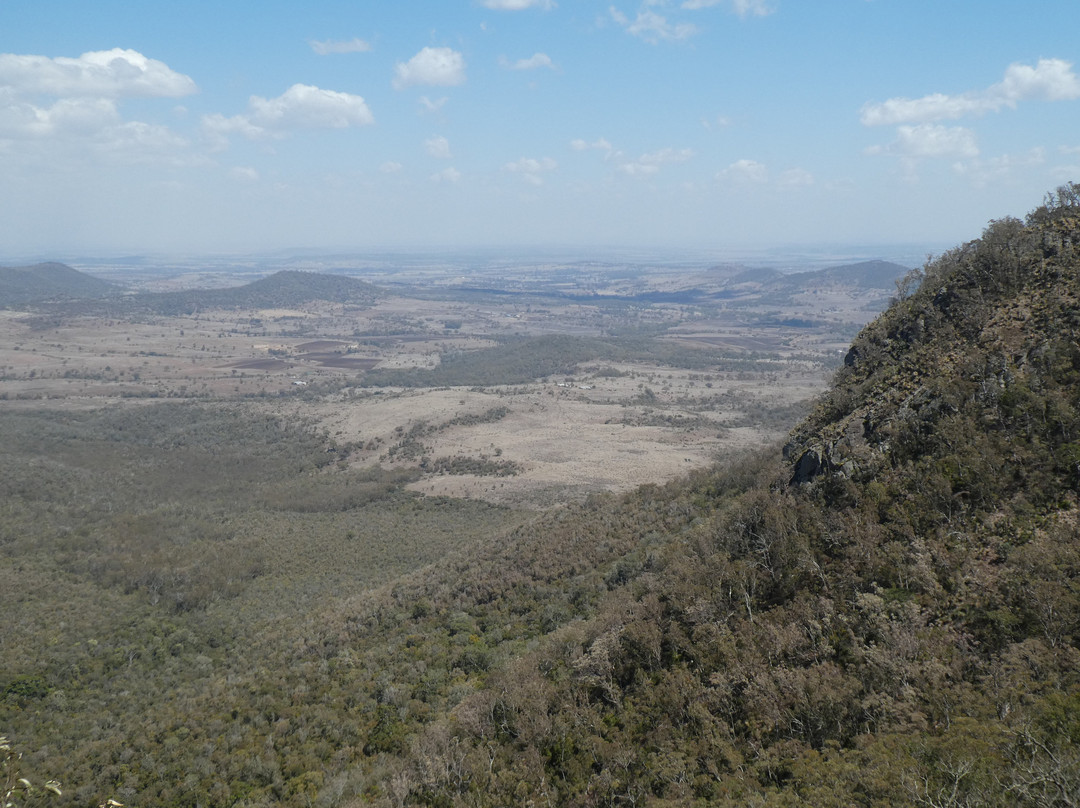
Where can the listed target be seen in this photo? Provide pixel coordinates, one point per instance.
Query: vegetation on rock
(889, 615)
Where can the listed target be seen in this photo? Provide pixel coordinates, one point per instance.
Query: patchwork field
(589, 398)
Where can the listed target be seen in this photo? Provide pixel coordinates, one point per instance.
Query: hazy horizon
(484, 124)
(793, 257)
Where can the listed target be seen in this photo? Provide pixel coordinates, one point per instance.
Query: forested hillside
(888, 614)
(41, 282)
(890, 617)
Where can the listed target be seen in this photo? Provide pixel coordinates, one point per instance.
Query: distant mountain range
(50, 281)
(283, 289)
(864, 276)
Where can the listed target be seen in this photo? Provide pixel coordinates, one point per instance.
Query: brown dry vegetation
(223, 587)
(600, 425)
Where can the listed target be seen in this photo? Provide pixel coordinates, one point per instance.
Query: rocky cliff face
(890, 616)
(993, 322)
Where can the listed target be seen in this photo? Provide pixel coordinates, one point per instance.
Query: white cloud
(329, 46)
(437, 67)
(757, 8)
(928, 108)
(94, 125)
(438, 147)
(302, 106)
(639, 169)
(983, 172)
(581, 145)
(744, 8)
(930, 140)
(648, 164)
(390, 167)
(517, 5)
(530, 168)
(134, 142)
(66, 117)
(747, 171)
(531, 165)
(113, 73)
(600, 144)
(652, 27)
(720, 122)
(244, 174)
(1048, 80)
(535, 61)
(433, 106)
(796, 178)
(217, 128)
(140, 140)
(446, 175)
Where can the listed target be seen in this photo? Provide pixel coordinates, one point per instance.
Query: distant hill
(766, 286)
(285, 289)
(759, 275)
(49, 281)
(289, 288)
(864, 275)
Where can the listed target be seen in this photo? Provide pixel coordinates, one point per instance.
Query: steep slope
(49, 281)
(891, 617)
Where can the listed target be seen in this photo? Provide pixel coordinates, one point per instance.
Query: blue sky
(191, 127)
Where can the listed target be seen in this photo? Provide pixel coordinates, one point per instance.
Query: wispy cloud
(652, 27)
(930, 140)
(1048, 80)
(744, 8)
(244, 174)
(450, 175)
(329, 46)
(744, 171)
(537, 60)
(517, 5)
(600, 144)
(719, 122)
(982, 172)
(432, 106)
(648, 164)
(531, 168)
(68, 116)
(796, 178)
(438, 147)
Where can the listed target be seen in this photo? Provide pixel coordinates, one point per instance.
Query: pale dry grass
(609, 427)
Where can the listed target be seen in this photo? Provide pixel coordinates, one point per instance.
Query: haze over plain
(697, 124)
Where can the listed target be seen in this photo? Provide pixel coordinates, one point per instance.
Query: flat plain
(210, 480)
(639, 375)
